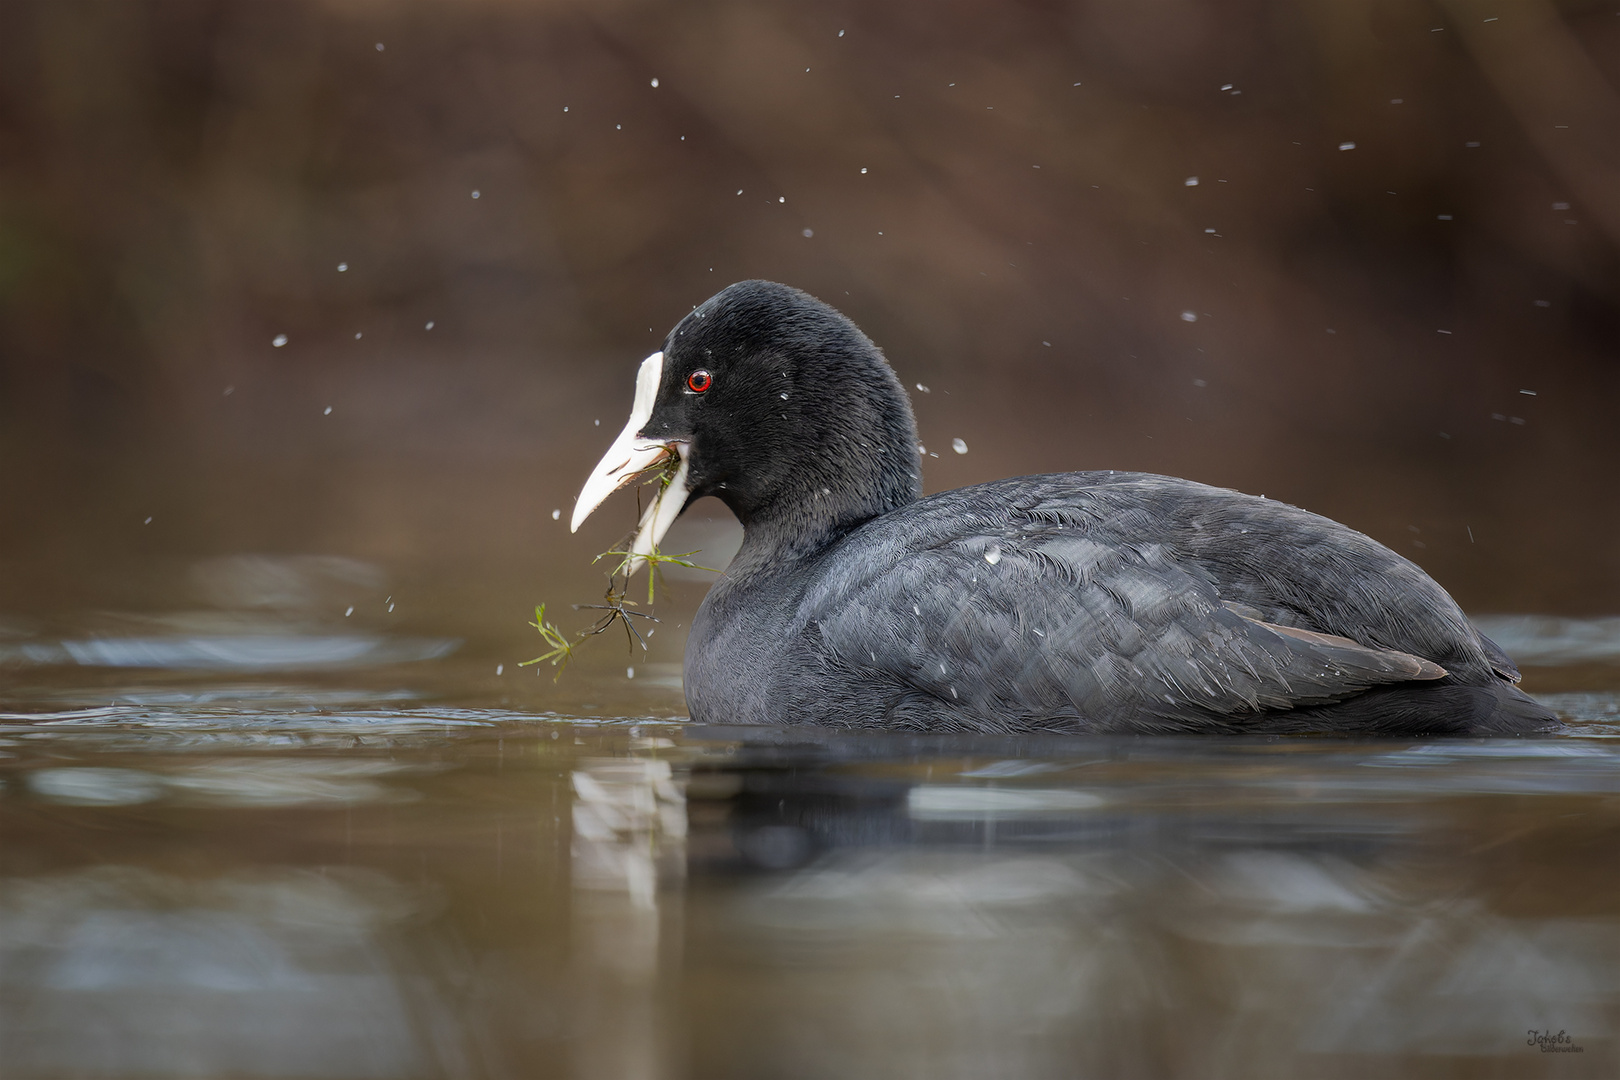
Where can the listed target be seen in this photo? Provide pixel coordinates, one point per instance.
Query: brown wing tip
(1427, 669)
(1413, 667)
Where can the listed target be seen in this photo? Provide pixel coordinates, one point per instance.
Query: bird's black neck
(836, 467)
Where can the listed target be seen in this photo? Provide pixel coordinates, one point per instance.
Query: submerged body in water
(1073, 602)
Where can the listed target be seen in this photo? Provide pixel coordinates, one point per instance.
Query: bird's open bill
(632, 456)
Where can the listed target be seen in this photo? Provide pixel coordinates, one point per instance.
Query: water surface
(301, 857)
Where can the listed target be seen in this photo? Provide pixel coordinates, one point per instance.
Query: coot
(1071, 602)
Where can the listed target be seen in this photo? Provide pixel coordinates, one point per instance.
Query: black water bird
(1071, 602)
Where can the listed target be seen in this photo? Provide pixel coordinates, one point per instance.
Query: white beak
(629, 457)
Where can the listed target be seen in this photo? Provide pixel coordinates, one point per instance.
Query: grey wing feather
(1021, 614)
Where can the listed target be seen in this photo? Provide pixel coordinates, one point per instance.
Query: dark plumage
(1094, 601)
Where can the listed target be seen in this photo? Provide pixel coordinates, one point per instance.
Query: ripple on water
(276, 971)
(233, 652)
(250, 782)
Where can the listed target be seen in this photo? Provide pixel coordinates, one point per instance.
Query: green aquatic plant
(617, 608)
(562, 649)
(654, 560)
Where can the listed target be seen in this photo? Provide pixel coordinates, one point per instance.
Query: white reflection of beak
(629, 457)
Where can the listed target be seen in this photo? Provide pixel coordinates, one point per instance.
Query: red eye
(699, 381)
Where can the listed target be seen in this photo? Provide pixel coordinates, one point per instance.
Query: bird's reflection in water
(1008, 918)
(628, 859)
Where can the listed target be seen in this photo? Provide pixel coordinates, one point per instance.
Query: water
(222, 858)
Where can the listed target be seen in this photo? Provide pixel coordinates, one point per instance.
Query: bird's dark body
(1117, 602)
(1073, 602)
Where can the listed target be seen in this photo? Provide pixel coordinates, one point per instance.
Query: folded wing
(1043, 615)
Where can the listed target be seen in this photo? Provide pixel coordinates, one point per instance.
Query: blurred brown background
(1405, 216)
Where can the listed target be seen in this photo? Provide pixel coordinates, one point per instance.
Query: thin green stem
(617, 608)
